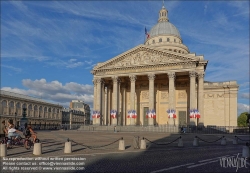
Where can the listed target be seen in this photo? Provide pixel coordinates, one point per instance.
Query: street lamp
(15, 120)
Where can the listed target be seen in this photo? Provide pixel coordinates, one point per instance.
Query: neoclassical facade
(160, 75)
(40, 114)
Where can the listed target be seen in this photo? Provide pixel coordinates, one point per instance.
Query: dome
(164, 28)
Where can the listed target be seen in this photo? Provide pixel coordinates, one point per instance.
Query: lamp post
(15, 120)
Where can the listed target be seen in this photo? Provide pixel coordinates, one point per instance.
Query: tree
(242, 119)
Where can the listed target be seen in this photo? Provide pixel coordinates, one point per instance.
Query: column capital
(151, 76)
(132, 78)
(115, 79)
(201, 75)
(171, 75)
(192, 74)
(98, 80)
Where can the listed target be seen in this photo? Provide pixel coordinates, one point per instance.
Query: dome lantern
(163, 15)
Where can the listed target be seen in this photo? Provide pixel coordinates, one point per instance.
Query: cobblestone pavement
(157, 157)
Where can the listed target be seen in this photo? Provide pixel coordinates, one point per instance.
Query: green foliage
(242, 119)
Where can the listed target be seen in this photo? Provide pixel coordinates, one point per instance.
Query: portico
(159, 75)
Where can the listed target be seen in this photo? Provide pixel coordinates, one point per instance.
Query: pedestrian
(4, 128)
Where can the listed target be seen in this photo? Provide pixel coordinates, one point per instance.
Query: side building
(40, 114)
(71, 117)
(81, 106)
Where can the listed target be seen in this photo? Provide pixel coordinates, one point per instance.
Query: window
(167, 39)
(160, 40)
(174, 40)
(153, 41)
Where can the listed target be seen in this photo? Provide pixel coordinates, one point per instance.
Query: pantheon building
(158, 76)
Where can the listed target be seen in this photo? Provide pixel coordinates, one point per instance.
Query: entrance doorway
(182, 118)
(145, 119)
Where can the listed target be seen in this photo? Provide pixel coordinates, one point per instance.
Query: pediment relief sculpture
(142, 56)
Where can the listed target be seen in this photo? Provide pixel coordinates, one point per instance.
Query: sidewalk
(53, 142)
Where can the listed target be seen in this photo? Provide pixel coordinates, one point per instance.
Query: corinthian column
(115, 98)
(192, 75)
(95, 99)
(171, 94)
(99, 99)
(151, 78)
(132, 96)
(105, 105)
(200, 97)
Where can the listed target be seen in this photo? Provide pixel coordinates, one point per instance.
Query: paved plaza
(98, 152)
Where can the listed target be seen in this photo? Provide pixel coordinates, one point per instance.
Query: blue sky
(48, 48)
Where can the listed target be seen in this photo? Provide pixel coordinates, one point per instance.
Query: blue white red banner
(171, 113)
(96, 114)
(113, 113)
(132, 114)
(151, 114)
(194, 113)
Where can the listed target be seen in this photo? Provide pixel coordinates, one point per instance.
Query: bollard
(245, 151)
(37, 150)
(196, 142)
(235, 141)
(180, 143)
(68, 147)
(3, 150)
(121, 144)
(223, 141)
(143, 144)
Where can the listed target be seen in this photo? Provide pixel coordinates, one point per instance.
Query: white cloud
(243, 108)
(12, 68)
(245, 95)
(55, 91)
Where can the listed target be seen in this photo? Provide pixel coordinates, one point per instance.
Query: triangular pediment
(144, 55)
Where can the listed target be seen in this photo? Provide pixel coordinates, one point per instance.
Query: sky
(48, 48)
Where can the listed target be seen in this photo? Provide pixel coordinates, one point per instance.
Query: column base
(150, 121)
(114, 121)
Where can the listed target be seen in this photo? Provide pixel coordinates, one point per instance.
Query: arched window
(35, 108)
(4, 103)
(30, 107)
(167, 39)
(18, 105)
(11, 104)
(160, 40)
(24, 105)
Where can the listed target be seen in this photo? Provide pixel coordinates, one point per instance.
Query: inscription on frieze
(220, 95)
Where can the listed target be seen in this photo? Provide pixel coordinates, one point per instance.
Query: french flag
(146, 33)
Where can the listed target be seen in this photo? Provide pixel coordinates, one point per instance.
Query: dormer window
(160, 40)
